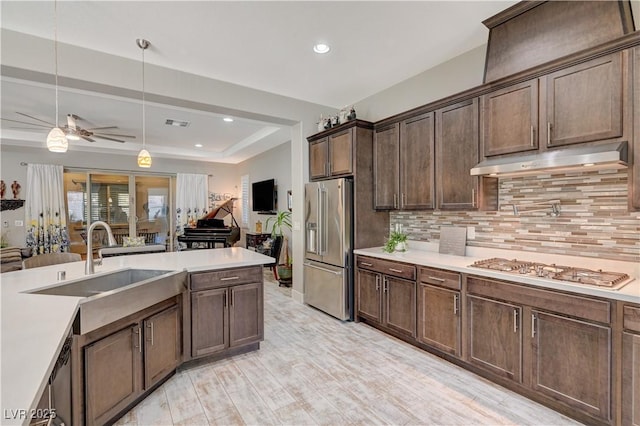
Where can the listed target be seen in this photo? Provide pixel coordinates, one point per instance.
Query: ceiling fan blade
(109, 139)
(39, 129)
(88, 139)
(113, 134)
(24, 122)
(101, 128)
(34, 118)
(71, 121)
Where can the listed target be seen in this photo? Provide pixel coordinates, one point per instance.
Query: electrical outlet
(5, 224)
(18, 223)
(471, 232)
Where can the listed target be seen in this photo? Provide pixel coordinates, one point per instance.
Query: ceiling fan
(72, 130)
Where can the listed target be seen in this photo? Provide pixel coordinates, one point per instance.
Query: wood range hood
(534, 33)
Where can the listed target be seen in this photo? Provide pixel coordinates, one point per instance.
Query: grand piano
(211, 230)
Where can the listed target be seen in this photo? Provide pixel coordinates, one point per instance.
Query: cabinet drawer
(440, 278)
(387, 267)
(566, 304)
(224, 278)
(632, 318)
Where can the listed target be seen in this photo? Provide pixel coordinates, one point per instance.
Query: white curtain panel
(192, 199)
(45, 211)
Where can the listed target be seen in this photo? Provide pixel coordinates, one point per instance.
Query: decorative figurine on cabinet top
(3, 188)
(15, 187)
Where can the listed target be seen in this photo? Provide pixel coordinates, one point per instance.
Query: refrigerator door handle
(322, 229)
(322, 269)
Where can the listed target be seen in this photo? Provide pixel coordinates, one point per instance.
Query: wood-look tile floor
(312, 369)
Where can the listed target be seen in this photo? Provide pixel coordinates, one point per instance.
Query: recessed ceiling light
(177, 123)
(321, 48)
(228, 119)
(198, 145)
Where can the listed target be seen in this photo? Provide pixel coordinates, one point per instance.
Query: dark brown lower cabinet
(386, 294)
(571, 362)
(225, 316)
(120, 367)
(112, 374)
(439, 318)
(495, 336)
(631, 367)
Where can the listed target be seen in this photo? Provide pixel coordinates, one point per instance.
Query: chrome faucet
(89, 266)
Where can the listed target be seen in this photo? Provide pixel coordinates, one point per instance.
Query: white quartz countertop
(34, 326)
(426, 254)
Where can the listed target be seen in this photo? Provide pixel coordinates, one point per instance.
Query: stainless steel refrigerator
(328, 282)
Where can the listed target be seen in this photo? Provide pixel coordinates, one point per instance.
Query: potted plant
(397, 241)
(281, 221)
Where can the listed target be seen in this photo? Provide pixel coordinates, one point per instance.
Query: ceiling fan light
(144, 159)
(57, 141)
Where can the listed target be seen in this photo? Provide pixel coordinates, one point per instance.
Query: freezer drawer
(326, 287)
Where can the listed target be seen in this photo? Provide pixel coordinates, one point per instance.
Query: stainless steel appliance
(328, 283)
(611, 280)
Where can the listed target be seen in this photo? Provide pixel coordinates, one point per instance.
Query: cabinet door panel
(439, 318)
(209, 330)
(161, 345)
(385, 167)
(571, 362)
(400, 305)
(341, 153)
(417, 150)
(457, 145)
(510, 119)
(495, 336)
(246, 323)
(630, 379)
(112, 374)
(368, 287)
(318, 158)
(634, 174)
(584, 103)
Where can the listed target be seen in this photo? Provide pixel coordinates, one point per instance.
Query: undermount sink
(93, 285)
(114, 295)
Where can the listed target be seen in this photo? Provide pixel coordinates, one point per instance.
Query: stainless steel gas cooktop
(600, 278)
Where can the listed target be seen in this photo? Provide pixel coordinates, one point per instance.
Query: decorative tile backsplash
(593, 219)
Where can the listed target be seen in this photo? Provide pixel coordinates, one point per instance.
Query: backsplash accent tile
(594, 220)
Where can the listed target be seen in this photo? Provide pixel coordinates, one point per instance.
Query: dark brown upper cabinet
(634, 176)
(584, 102)
(457, 146)
(404, 164)
(579, 104)
(510, 119)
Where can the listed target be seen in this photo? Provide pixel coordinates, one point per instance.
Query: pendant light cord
(144, 127)
(55, 50)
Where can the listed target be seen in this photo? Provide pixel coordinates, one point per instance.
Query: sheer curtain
(192, 200)
(45, 213)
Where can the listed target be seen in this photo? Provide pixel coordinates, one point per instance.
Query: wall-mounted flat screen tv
(264, 196)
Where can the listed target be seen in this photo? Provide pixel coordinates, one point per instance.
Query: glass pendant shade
(57, 141)
(144, 159)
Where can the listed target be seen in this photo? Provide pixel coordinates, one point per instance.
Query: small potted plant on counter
(281, 221)
(397, 240)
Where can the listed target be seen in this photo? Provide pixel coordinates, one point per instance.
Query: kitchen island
(34, 326)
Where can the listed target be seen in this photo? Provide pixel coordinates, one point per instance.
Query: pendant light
(56, 139)
(144, 158)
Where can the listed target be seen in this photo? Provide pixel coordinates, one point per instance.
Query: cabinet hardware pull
(366, 264)
(397, 271)
(473, 198)
(395, 201)
(150, 326)
(455, 304)
(385, 286)
(532, 135)
(139, 339)
(403, 200)
(230, 297)
(229, 278)
(436, 279)
(548, 133)
(224, 300)
(515, 320)
(533, 325)
(377, 282)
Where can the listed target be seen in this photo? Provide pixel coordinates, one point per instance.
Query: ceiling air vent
(177, 123)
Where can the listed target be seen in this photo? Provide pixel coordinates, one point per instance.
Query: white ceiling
(261, 45)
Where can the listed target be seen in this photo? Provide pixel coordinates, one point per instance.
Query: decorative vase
(401, 246)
